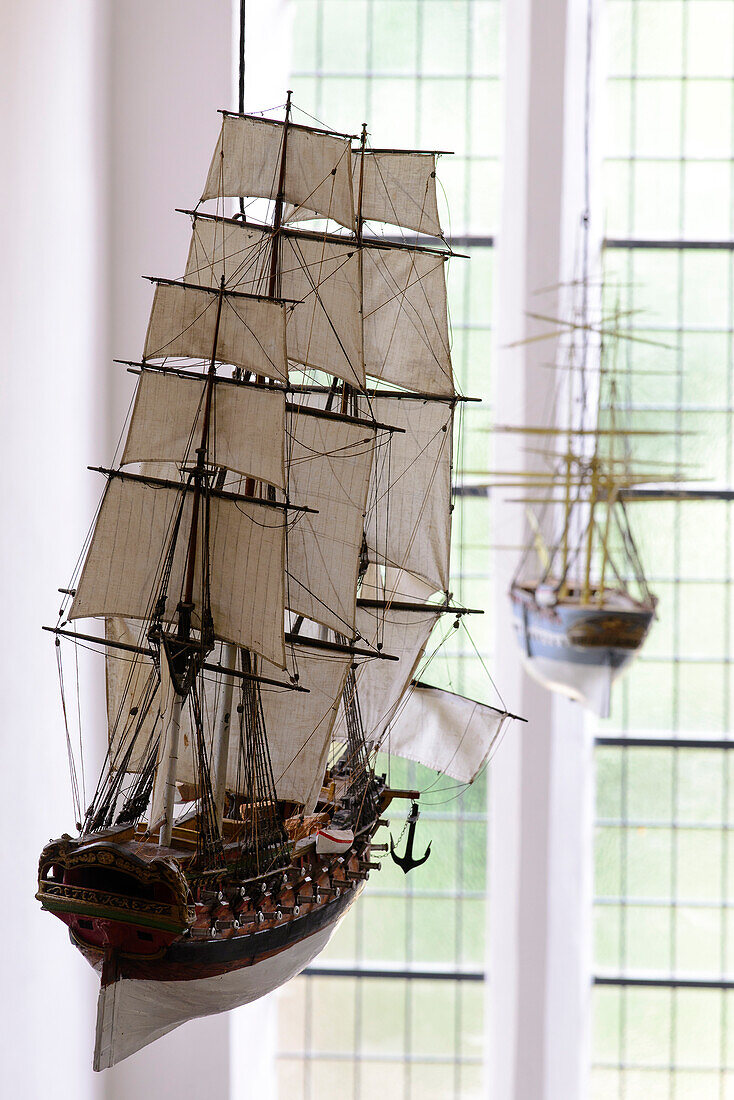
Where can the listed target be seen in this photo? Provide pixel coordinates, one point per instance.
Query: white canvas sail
(132, 694)
(166, 425)
(299, 725)
(398, 188)
(247, 159)
(247, 551)
(409, 505)
(320, 279)
(382, 684)
(404, 319)
(250, 334)
(329, 464)
(445, 732)
(406, 333)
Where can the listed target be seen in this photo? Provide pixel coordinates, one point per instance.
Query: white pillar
(541, 780)
(169, 70)
(51, 316)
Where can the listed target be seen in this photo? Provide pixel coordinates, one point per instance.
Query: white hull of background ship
(270, 556)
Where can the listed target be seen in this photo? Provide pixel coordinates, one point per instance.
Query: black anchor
(407, 862)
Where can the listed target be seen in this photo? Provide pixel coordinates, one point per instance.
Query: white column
(169, 69)
(51, 317)
(541, 779)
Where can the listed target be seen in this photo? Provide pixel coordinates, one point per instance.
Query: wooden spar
(220, 290)
(327, 238)
(146, 652)
(293, 125)
(138, 367)
(290, 406)
(398, 395)
(675, 494)
(337, 647)
(405, 605)
(415, 152)
(241, 82)
(221, 494)
(527, 429)
(324, 414)
(359, 222)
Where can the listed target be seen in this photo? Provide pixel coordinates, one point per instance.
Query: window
(664, 809)
(394, 1006)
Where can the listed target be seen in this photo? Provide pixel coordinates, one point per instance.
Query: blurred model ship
(269, 572)
(582, 606)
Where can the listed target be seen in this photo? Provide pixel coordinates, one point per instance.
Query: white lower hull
(133, 1013)
(590, 685)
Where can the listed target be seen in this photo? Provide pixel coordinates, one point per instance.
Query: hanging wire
(241, 82)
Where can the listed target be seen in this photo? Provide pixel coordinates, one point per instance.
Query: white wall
(53, 324)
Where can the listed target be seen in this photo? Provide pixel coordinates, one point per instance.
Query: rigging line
(127, 419)
(587, 182)
(484, 666)
(332, 707)
(424, 503)
(358, 449)
(79, 724)
(67, 598)
(386, 716)
(72, 767)
(409, 308)
(146, 699)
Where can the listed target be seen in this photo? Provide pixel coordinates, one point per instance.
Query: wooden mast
(186, 605)
(220, 752)
(279, 200)
(347, 389)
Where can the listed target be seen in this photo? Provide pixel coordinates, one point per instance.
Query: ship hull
(206, 979)
(166, 955)
(579, 650)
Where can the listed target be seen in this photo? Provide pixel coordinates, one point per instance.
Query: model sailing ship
(269, 557)
(581, 603)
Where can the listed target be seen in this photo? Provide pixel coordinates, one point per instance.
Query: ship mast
(220, 752)
(357, 756)
(186, 606)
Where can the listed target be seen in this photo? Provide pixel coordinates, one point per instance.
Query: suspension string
(241, 82)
